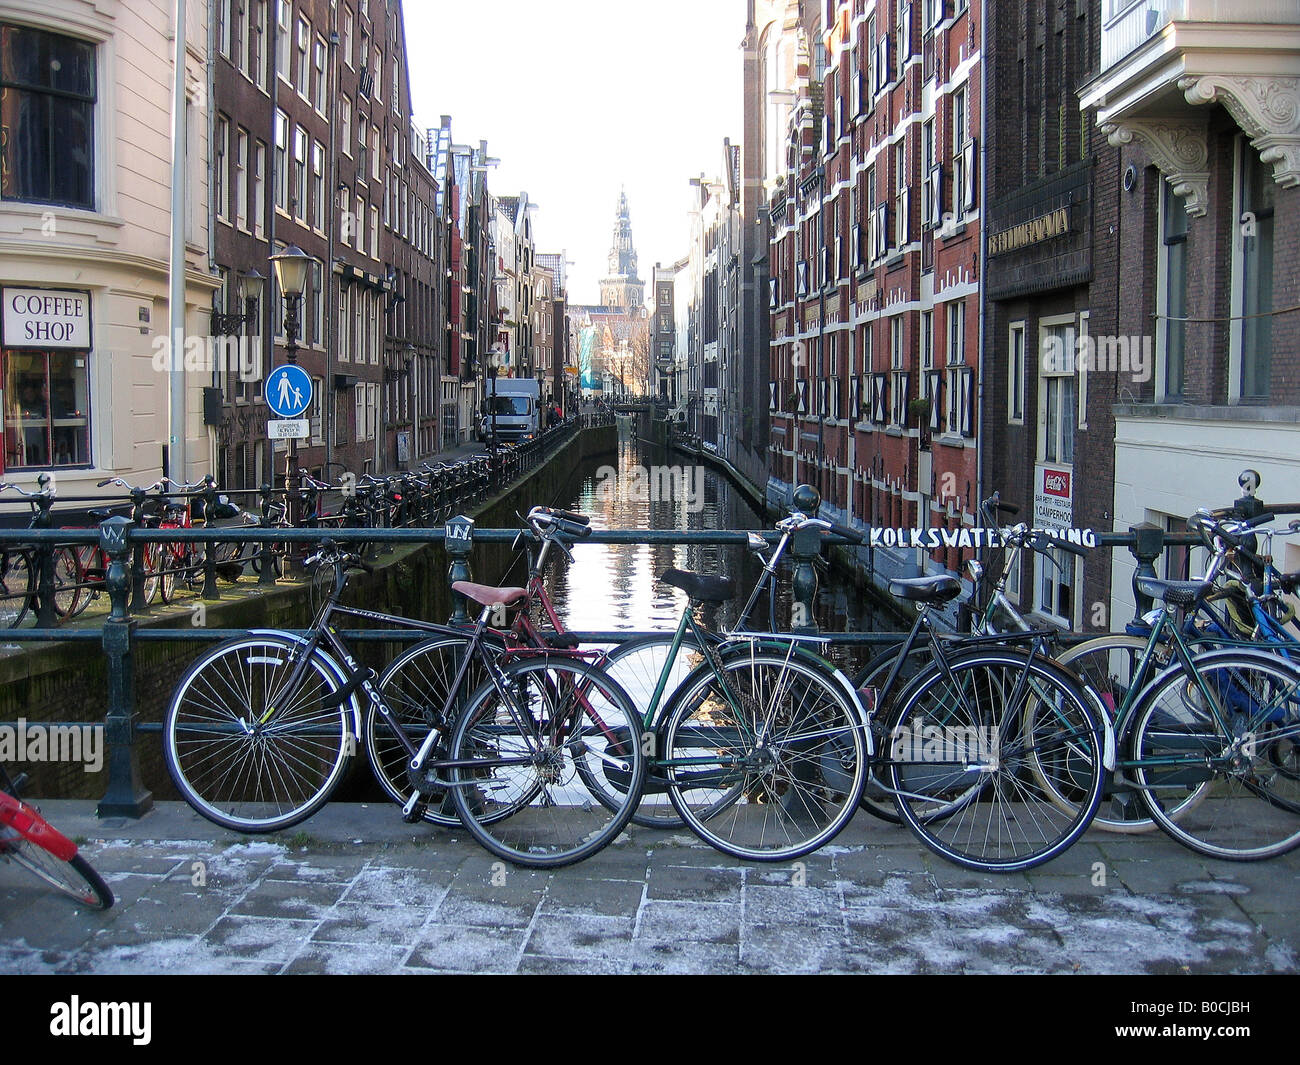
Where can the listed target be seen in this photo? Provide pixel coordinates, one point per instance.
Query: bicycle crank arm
(579, 747)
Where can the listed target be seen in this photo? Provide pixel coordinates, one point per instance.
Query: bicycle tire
(67, 581)
(991, 815)
(1252, 810)
(258, 775)
(17, 588)
(520, 796)
(876, 799)
(637, 665)
(1106, 665)
(790, 749)
(415, 686)
(74, 877)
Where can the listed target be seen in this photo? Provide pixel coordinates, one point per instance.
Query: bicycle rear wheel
(518, 787)
(638, 665)
(247, 753)
(30, 841)
(965, 748)
(767, 758)
(17, 588)
(1237, 744)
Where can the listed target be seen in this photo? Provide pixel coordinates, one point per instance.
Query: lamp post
(495, 359)
(291, 269)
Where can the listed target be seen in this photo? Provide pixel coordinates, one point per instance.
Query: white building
(84, 240)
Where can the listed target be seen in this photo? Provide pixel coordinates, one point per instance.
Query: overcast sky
(578, 97)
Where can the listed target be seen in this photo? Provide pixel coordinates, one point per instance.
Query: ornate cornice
(1180, 149)
(1266, 107)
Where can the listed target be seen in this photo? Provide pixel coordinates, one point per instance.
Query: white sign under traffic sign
(288, 429)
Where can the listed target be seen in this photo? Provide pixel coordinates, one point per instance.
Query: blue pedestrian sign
(288, 391)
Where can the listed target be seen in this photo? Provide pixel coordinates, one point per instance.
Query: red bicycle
(28, 840)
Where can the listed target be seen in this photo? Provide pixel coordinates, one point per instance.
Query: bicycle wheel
(876, 799)
(638, 665)
(518, 788)
(17, 587)
(75, 877)
(67, 582)
(415, 687)
(1107, 665)
(766, 758)
(247, 753)
(1227, 737)
(965, 749)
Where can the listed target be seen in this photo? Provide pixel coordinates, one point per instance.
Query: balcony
(1162, 61)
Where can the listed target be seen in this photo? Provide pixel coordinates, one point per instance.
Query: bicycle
(260, 730)
(19, 566)
(1209, 735)
(27, 839)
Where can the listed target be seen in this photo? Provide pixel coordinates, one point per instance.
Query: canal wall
(67, 681)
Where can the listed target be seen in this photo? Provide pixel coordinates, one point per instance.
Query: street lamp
(291, 270)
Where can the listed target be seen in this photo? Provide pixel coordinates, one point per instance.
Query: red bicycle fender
(31, 825)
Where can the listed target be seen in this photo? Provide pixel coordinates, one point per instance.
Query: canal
(617, 587)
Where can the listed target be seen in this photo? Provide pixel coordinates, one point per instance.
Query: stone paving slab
(356, 891)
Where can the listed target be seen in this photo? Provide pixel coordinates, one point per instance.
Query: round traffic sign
(288, 391)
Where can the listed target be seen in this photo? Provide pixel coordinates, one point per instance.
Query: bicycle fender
(32, 826)
(331, 662)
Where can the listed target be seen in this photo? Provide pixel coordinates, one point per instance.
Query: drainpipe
(980, 280)
(176, 465)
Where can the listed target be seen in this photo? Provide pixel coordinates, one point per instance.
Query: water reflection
(616, 586)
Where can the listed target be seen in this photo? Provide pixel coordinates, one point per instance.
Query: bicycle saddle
(1175, 593)
(701, 586)
(485, 595)
(926, 589)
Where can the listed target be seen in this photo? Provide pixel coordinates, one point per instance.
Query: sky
(579, 97)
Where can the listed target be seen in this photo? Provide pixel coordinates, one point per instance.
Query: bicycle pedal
(414, 814)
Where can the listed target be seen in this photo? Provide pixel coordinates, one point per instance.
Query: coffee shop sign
(52, 318)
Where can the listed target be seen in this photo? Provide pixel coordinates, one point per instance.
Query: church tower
(622, 288)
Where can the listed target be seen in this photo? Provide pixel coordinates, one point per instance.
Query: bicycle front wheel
(965, 751)
(1232, 734)
(520, 754)
(75, 877)
(765, 758)
(415, 686)
(244, 750)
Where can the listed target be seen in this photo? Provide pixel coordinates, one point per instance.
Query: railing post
(459, 541)
(1147, 546)
(138, 603)
(805, 548)
(210, 590)
(46, 616)
(126, 795)
(264, 553)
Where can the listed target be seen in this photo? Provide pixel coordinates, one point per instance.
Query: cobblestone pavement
(354, 890)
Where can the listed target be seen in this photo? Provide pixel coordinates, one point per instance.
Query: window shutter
(968, 162)
(904, 216)
(771, 395)
(968, 402)
(936, 404)
(934, 188)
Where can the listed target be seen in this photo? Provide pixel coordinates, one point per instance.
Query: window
(1083, 345)
(318, 186)
(241, 180)
(1016, 374)
(220, 160)
(898, 368)
(1171, 284)
(363, 133)
(345, 120)
(304, 67)
(346, 220)
(932, 174)
(397, 90)
(300, 174)
(901, 193)
(322, 80)
(347, 37)
(46, 408)
(259, 43)
(1252, 291)
(960, 157)
(360, 222)
(317, 416)
(957, 413)
(284, 38)
(1056, 394)
(47, 84)
(374, 232)
(281, 161)
(223, 27)
(1054, 592)
(245, 38)
(378, 71)
(259, 187)
(376, 157)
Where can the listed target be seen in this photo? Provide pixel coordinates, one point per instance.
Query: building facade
(85, 179)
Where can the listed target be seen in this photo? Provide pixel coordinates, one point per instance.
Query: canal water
(617, 586)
